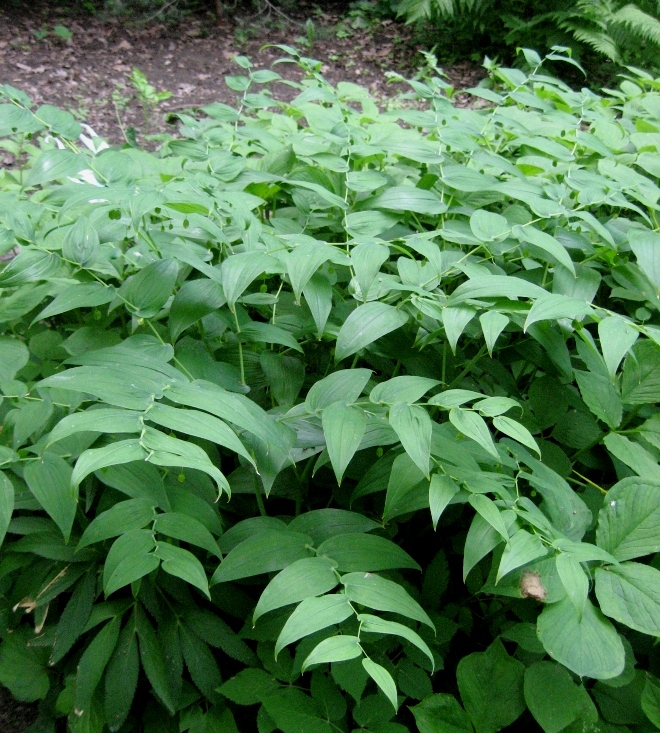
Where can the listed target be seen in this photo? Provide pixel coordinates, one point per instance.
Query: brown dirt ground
(191, 59)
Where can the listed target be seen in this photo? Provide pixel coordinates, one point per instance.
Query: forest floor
(82, 63)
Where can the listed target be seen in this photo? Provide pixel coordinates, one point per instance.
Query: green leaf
(401, 389)
(311, 576)
(200, 424)
(113, 454)
(633, 455)
(644, 245)
(321, 524)
(249, 687)
(183, 564)
(383, 595)
(153, 660)
(49, 479)
(629, 522)
(74, 618)
(413, 426)
(6, 504)
(521, 549)
(454, 398)
(407, 198)
(333, 649)
(630, 594)
(201, 664)
(318, 296)
(480, 540)
(441, 713)
(366, 324)
(303, 261)
(489, 227)
(185, 528)
(588, 645)
(491, 687)
(488, 510)
(495, 286)
(14, 355)
(367, 258)
(518, 432)
(129, 559)
(547, 243)
(442, 490)
(383, 679)
(93, 663)
(617, 337)
(147, 292)
(473, 426)
(651, 699)
(121, 678)
(291, 711)
(455, 319)
(600, 397)
(23, 669)
(285, 375)
(552, 307)
(81, 244)
(194, 300)
(266, 552)
(312, 615)
(492, 325)
(345, 385)
(239, 271)
(376, 625)
(574, 580)
(553, 698)
(257, 332)
(343, 427)
(367, 552)
(54, 165)
(641, 375)
(122, 517)
(106, 420)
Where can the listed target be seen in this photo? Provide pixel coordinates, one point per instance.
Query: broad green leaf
(153, 659)
(494, 406)
(454, 398)
(147, 292)
(574, 580)
(413, 426)
(553, 698)
(601, 397)
(292, 711)
(23, 669)
(633, 455)
(489, 511)
(491, 687)
(630, 594)
(377, 625)
(239, 271)
(367, 258)
(318, 296)
(473, 426)
(366, 552)
(369, 224)
(106, 420)
(312, 615)
(94, 459)
(93, 663)
(6, 504)
(489, 227)
(256, 332)
(183, 564)
(441, 713)
(249, 687)
(321, 524)
(54, 165)
(583, 551)
(383, 595)
(194, 300)
(50, 481)
(303, 261)
(81, 244)
(334, 649)
(495, 286)
(521, 549)
(285, 375)
(365, 181)
(121, 678)
(187, 529)
(366, 324)
(122, 517)
(518, 432)
(617, 337)
(383, 679)
(200, 424)
(14, 355)
(547, 243)
(311, 576)
(651, 699)
(407, 198)
(645, 245)
(629, 522)
(481, 539)
(129, 559)
(552, 307)
(455, 319)
(401, 389)
(343, 428)
(73, 619)
(641, 374)
(442, 490)
(345, 385)
(588, 645)
(492, 325)
(266, 552)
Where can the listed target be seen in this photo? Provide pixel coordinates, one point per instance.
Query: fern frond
(599, 41)
(638, 22)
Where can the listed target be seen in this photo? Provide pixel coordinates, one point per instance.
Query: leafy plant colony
(327, 418)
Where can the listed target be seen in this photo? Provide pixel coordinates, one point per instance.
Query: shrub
(420, 350)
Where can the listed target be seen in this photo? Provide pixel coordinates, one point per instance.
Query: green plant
(414, 340)
(146, 95)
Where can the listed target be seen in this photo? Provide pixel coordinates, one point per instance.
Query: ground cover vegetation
(328, 418)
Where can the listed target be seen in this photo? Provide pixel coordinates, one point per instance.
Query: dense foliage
(329, 418)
